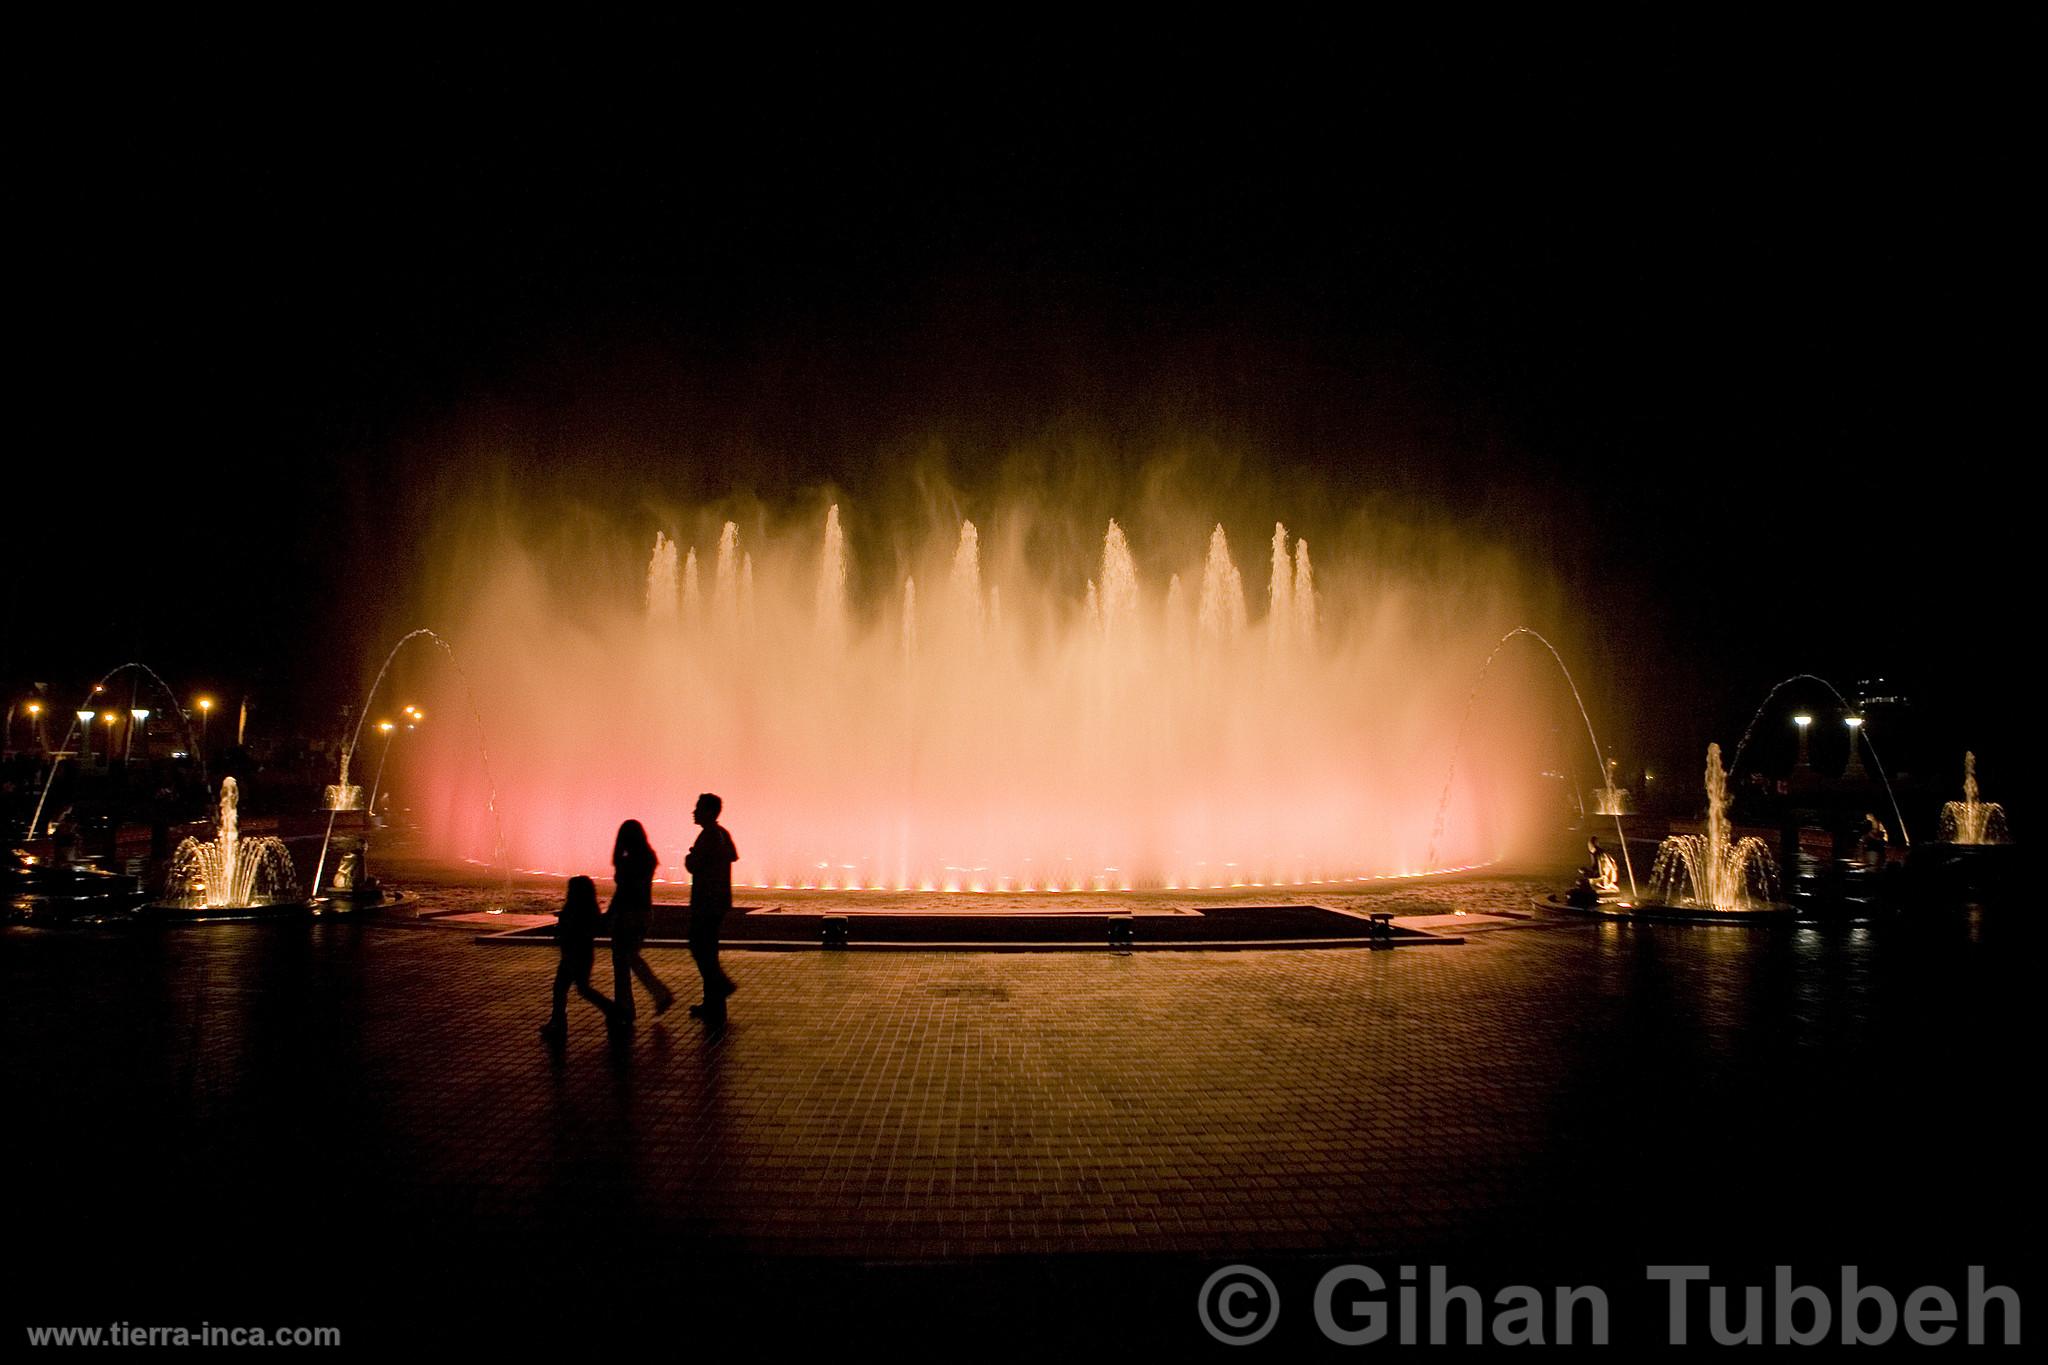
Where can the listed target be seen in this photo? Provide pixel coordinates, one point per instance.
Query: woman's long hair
(631, 847)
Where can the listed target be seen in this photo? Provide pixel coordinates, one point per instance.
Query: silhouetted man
(710, 862)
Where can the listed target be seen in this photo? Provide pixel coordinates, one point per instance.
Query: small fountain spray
(1710, 871)
(1971, 821)
(229, 872)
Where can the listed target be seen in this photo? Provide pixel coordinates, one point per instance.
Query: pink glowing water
(991, 718)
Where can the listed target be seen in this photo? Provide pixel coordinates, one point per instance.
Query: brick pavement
(946, 1105)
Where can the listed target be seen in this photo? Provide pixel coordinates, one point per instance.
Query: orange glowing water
(989, 718)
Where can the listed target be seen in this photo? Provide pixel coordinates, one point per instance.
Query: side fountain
(1860, 736)
(1609, 802)
(1712, 875)
(351, 885)
(229, 876)
(1974, 858)
(1971, 821)
(84, 712)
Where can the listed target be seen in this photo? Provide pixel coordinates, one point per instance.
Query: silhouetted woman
(633, 864)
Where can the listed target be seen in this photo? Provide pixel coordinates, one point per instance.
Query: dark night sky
(1757, 324)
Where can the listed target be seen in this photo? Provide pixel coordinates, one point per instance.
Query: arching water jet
(1600, 764)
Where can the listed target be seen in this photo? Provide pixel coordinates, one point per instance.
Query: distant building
(1876, 694)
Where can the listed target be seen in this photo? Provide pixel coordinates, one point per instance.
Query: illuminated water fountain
(1017, 702)
(229, 872)
(1713, 871)
(1971, 821)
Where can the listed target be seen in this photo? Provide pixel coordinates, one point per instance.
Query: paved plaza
(363, 1110)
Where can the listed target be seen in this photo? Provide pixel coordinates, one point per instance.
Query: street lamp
(1803, 721)
(1855, 769)
(140, 715)
(205, 714)
(85, 736)
(35, 724)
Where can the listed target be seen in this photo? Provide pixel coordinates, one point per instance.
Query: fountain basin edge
(1663, 912)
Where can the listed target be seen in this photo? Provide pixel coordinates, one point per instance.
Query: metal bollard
(1120, 933)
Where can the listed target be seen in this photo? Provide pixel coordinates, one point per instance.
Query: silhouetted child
(576, 936)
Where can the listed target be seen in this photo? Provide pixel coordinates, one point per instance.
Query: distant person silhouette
(64, 839)
(710, 862)
(633, 864)
(1600, 865)
(576, 937)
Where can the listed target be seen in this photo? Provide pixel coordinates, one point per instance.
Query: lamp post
(85, 736)
(1803, 721)
(1854, 772)
(205, 714)
(138, 717)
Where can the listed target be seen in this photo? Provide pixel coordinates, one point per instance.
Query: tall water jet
(229, 872)
(693, 592)
(1304, 598)
(1971, 820)
(909, 620)
(1119, 590)
(963, 585)
(830, 608)
(1221, 616)
(1712, 871)
(1176, 632)
(661, 579)
(725, 581)
(1280, 595)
